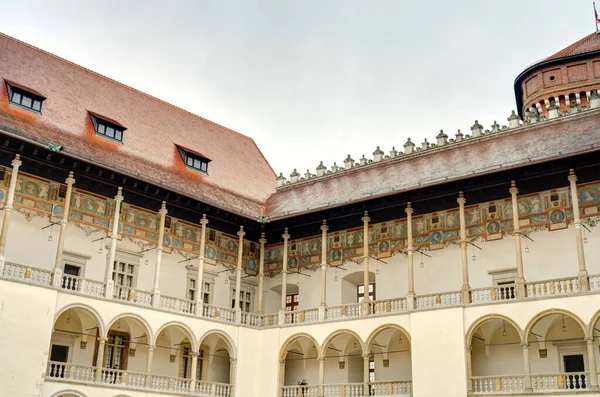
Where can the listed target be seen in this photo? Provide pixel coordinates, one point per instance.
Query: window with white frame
(192, 286)
(505, 282)
(73, 268)
(245, 297)
(124, 271)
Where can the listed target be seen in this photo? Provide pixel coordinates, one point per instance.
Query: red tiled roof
(587, 44)
(30, 90)
(500, 151)
(240, 179)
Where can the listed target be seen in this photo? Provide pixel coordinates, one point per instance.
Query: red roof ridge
(575, 48)
(137, 91)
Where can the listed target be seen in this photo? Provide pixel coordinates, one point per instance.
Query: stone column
(281, 376)
(261, 272)
(583, 275)
(100, 357)
(527, 365)
(16, 163)
(592, 363)
(149, 365)
(517, 231)
(410, 251)
(321, 390)
(238, 275)
(114, 234)
(159, 249)
(286, 237)
(232, 375)
(200, 274)
(469, 370)
(324, 229)
(466, 296)
(57, 277)
(365, 303)
(366, 374)
(193, 371)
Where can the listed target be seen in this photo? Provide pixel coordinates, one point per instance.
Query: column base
(155, 298)
(466, 294)
(584, 284)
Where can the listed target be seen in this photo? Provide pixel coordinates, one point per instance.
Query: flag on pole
(596, 16)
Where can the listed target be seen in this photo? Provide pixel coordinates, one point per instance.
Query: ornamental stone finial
(513, 120)
(409, 147)
(495, 127)
(307, 174)
(294, 176)
(349, 162)
(335, 167)
(393, 152)
(459, 136)
(378, 154)
(425, 144)
(442, 138)
(476, 129)
(321, 169)
(280, 179)
(363, 160)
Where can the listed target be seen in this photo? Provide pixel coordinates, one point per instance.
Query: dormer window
(194, 160)
(24, 97)
(107, 128)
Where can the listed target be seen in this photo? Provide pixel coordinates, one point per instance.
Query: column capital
(461, 200)
(233, 360)
(365, 217)
(525, 345)
(262, 239)
(102, 339)
(366, 356)
(513, 188)
(282, 362)
(572, 177)
(17, 161)
(151, 348)
(163, 208)
(408, 209)
(324, 226)
(469, 348)
(241, 233)
(285, 235)
(321, 359)
(195, 354)
(589, 339)
(203, 221)
(119, 197)
(70, 179)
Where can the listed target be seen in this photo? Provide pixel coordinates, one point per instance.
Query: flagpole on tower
(595, 16)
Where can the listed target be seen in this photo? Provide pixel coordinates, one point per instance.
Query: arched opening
(172, 362)
(292, 295)
(354, 289)
(72, 343)
(344, 364)
(301, 366)
(216, 365)
(496, 356)
(390, 371)
(558, 352)
(124, 356)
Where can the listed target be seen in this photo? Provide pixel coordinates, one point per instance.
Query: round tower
(565, 80)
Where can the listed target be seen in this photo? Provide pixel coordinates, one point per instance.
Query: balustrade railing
(391, 389)
(562, 286)
(300, 391)
(445, 299)
(498, 384)
(343, 390)
(204, 388)
(128, 294)
(122, 378)
(177, 304)
(301, 316)
(72, 372)
(218, 313)
(15, 271)
(168, 383)
(396, 305)
(82, 285)
(491, 294)
(260, 320)
(343, 311)
(565, 381)
(594, 281)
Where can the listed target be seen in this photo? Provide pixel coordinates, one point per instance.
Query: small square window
(24, 97)
(194, 160)
(16, 98)
(26, 101)
(107, 128)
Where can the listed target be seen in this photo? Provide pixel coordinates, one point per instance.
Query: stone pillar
(321, 390)
(517, 232)
(232, 375)
(193, 371)
(200, 274)
(324, 229)
(410, 251)
(366, 358)
(469, 369)
(527, 365)
(238, 275)
(286, 237)
(466, 296)
(281, 377)
(57, 277)
(114, 234)
(365, 302)
(100, 358)
(592, 363)
(149, 365)
(16, 163)
(582, 275)
(261, 272)
(159, 249)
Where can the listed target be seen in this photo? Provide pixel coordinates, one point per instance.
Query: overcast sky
(312, 80)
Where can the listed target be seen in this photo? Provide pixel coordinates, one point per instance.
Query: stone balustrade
(447, 299)
(555, 382)
(343, 311)
(391, 389)
(492, 294)
(498, 384)
(562, 286)
(177, 305)
(300, 391)
(343, 390)
(301, 316)
(205, 388)
(387, 306)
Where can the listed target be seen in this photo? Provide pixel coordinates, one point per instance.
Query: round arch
(93, 312)
(384, 327)
(137, 317)
(186, 331)
(549, 312)
(337, 333)
(226, 338)
(494, 316)
(592, 323)
(289, 341)
(68, 393)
